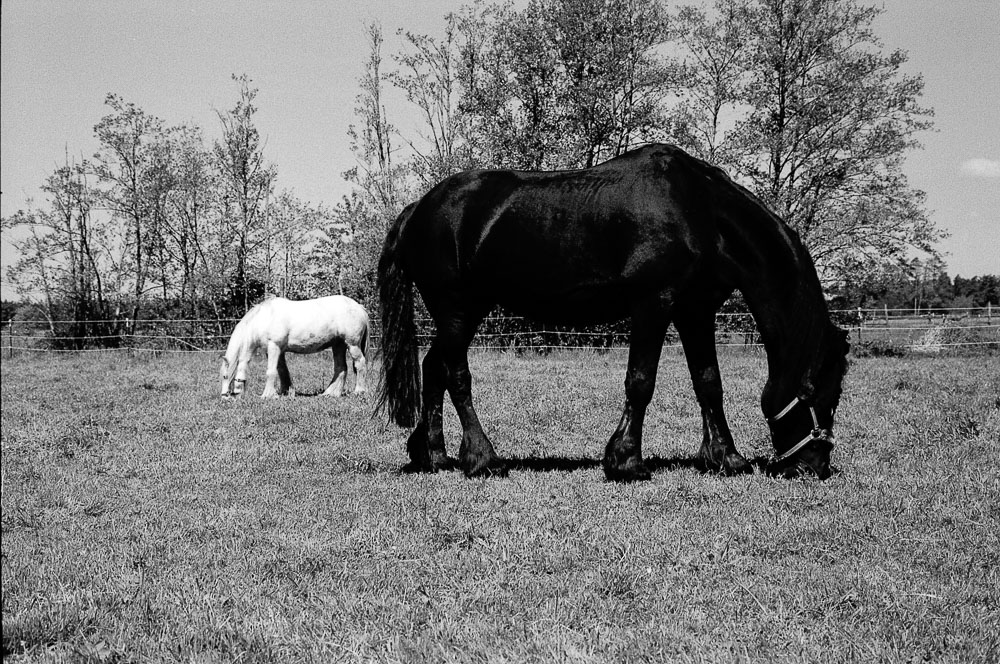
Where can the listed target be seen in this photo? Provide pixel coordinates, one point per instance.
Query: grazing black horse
(656, 235)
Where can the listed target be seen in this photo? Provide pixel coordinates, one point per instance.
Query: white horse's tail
(363, 341)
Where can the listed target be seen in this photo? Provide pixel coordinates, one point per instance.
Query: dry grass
(146, 520)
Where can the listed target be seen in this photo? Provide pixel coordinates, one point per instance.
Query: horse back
(580, 246)
(308, 326)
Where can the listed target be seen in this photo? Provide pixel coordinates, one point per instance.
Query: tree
(430, 77)
(822, 120)
(565, 83)
(371, 139)
(130, 170)
(247, 182)
(293, 226)
(713, 77)
(61, 256)
(348, 247)
(191, 231)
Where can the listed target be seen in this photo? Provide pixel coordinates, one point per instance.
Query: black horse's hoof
(732, 464)
(736, 464)
(428, 465)
(415, 467)
(632, 471)
(490, 467)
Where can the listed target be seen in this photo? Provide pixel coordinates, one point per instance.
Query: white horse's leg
(358, 357)
(336, 387)
(273, 358)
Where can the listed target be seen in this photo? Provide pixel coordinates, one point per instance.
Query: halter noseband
(817, 433)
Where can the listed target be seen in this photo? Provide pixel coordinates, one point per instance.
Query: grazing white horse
(306, 326)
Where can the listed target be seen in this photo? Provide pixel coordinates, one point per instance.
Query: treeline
(918, 286)
(797, 99)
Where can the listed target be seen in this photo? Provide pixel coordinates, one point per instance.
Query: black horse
(656, 235)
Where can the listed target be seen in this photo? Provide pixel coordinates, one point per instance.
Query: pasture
(145, 519)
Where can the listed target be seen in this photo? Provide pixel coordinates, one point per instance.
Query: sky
(174, 60)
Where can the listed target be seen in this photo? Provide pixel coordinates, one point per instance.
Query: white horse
(306, 326)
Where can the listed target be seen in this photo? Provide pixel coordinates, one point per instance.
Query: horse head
(229, 387)
(226, 376)
(803, 430)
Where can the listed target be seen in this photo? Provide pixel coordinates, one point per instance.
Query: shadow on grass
(654, 463)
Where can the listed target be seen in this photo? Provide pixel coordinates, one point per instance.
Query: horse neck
(783, 293)
(238, 344)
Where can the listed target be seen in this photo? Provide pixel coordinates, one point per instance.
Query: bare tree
(61, 258)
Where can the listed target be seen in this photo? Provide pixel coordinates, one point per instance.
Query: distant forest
(918, 289)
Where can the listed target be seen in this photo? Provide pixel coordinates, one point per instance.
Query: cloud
(982, 168)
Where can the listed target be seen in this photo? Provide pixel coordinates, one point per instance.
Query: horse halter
(817, 433)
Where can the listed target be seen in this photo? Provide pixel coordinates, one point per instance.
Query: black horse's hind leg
(476, 454)
(623, 454)
(696, 327)
(426, 443)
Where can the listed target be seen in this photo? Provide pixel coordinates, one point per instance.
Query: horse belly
(308, 339)
(580, 285)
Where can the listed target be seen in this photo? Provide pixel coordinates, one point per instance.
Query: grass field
(144, 519)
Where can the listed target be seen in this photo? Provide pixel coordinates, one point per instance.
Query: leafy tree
(713, 77)
(819, 121)
(190, 227)
(292, 230)
(376, 174)
(130, 170)
(430, 75)
(247, 182)
(564, 83)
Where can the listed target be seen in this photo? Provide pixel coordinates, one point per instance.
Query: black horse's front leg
(718, 450)
(623, 454)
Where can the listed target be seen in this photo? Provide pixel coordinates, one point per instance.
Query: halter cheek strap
(817, 433)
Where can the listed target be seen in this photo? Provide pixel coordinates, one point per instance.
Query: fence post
(861, 323)
(10, 338)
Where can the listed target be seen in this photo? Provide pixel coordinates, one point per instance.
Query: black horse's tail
(399, 390)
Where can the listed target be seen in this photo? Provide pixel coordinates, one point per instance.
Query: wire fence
(872, 331)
